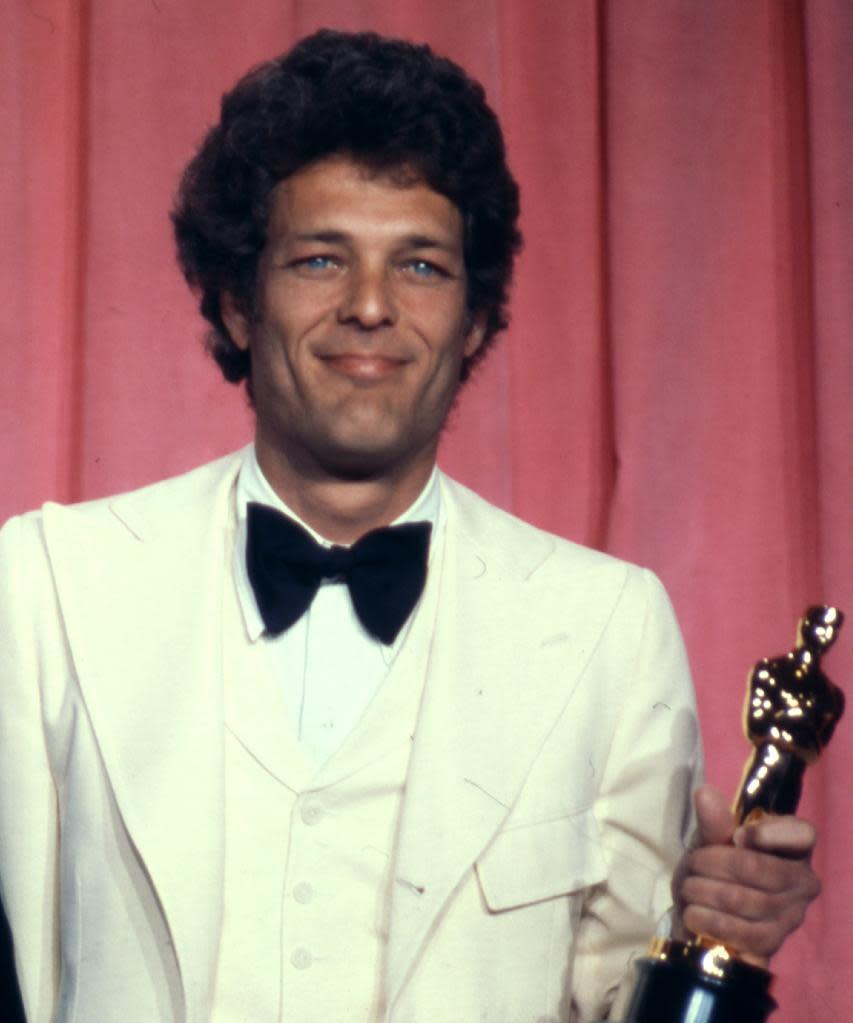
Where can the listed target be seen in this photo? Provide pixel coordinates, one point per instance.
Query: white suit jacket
(547, 795)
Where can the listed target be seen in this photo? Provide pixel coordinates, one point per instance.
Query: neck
(342, 510)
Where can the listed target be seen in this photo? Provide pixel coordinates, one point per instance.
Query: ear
(476, 333)
(236, 321)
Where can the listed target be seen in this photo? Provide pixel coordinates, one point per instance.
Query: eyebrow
(413, 241)
(425, 241)
(326, 237)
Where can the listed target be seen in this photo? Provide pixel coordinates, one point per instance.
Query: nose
(367, 300)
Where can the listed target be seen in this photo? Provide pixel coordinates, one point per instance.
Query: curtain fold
(675, 386)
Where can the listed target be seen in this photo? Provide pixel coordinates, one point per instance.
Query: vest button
(303, 892)
(301, 958)
(311, 813)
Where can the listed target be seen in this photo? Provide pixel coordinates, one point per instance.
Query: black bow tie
(385, 571)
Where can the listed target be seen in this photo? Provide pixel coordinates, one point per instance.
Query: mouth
(363, 366)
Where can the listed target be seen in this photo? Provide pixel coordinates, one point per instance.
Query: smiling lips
(363, 366)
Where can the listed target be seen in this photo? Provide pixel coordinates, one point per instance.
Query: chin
(368, 461)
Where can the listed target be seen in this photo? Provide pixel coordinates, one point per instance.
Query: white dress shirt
(330, 667)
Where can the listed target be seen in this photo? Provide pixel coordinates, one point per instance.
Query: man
(224, 801)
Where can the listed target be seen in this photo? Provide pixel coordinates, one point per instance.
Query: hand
(747, 887)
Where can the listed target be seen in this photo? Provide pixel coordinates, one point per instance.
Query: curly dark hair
(389, 104)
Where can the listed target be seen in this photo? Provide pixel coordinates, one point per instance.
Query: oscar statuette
(791, 711)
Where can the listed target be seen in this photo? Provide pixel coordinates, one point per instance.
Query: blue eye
(317, 262)
(319, 265)
(423, 268)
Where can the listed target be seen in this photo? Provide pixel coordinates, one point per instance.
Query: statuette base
(698, 982)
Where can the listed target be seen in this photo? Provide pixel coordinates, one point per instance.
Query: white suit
(555, 749)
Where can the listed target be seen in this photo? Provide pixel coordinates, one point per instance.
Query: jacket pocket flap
(535, 862)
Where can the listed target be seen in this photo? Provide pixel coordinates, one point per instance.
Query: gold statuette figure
(791, 712)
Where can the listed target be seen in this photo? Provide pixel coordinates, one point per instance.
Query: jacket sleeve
(644, 803)
(31, 645)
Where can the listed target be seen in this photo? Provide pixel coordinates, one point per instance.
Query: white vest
(309, 853)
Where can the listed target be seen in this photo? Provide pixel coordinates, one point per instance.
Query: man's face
(362, 323)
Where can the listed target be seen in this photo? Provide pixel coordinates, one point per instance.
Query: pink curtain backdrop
(677, 383)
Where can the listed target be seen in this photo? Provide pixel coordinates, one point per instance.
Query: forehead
(340, 195)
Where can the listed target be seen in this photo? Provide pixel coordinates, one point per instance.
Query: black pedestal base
(673, 992)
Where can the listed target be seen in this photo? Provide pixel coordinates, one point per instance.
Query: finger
(787, 836)
(716, 824)
(750, 903)
(727, 897)
(763, 872)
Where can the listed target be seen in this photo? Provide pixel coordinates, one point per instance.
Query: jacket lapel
(503, 668)
(143, 621)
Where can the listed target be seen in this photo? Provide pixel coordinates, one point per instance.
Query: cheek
(273, 372)
(275, 342)
(447, 332)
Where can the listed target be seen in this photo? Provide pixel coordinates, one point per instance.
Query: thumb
(716, 824)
